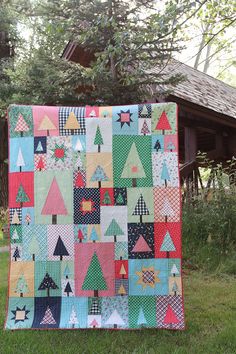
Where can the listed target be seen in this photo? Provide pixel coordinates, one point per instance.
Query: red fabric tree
(163, 123)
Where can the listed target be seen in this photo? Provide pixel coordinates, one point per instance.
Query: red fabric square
(121, 269)
(26, 180)
(106, 196)
(160, 230)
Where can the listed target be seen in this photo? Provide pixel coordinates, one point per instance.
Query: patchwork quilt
(95, 218)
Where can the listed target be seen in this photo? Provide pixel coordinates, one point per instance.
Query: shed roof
(203, 90)
(198, 88)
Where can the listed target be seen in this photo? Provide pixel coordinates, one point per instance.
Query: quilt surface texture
(95, 218)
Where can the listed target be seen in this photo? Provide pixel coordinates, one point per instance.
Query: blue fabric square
(22, 156)
(125, 120)
(148, 276)
(74, 312)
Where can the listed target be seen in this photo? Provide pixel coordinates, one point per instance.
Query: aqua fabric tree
(34, 248)
(99, 176)
(175, 288)
(21, 286)
(133, 167)
(39, 147)
(165, 173)
(94, 279)
(98, 140)
(167, 245)
(21, 196)
(94, 235)
(47, 284)
(67, 271)
(60, 249)
(141, 318)
(141, 208)
(114, 230)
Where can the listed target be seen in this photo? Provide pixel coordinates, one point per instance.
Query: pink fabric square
(83, 256)
(52, 120)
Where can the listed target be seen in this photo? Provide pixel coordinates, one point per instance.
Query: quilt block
(95, 218)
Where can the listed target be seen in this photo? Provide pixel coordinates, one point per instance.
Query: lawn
(210, 315)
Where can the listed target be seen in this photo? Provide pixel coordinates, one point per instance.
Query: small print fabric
(95, 218)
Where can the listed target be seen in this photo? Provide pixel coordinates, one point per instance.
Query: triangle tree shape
(133, 167)
(72, 123)
(15, 219)
(163, 123)
(114, 230)
(39, 147)
(21, 125)
(46, 124)
(141, 245)
(48, 317)
(115, 319)
(170, 316)
(20, 160)
(54, 204)
(94, 279)
(141, 318)
(167, 244)
(60, 249)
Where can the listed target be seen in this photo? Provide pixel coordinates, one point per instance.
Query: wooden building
(207, 115)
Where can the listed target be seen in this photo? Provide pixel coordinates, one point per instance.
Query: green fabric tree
(98, 140)
(21, 286)
(94, 279)
(114, 230)
(119, 199)
(21, 196)
(106, 198)
(133, 167)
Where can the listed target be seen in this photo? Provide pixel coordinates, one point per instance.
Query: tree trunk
(99, 184)
(166, 218)
(114, 238)
(207, 61)
(165, 183)
(48, 292)
(61, 257)
(115, 325)
(167, 254)
(134, 182)
(54, 219)
(95, 293)
(99, 148)
(141, 219)
(33, 257)
(47, 132)
(21, 294)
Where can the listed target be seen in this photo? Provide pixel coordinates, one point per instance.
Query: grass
(210, 316)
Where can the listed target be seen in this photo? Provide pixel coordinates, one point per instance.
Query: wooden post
(190, 152)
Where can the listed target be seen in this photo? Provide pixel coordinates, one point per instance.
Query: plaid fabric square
(64, 113)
